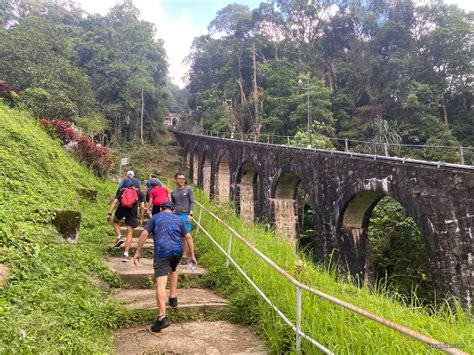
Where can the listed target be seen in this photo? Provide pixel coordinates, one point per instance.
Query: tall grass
(336, 328)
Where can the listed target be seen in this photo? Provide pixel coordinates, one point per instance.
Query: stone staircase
(188, 337)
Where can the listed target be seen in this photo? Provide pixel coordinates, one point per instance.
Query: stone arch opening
(194, 164)
(206, 174)
(249, 186)
(223, 179)
(386, 246)
(187, 158)
(305, 213)
(284, 202)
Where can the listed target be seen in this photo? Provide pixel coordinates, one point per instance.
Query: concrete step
(136, 232)
(189, 299)
(147, 246)
(142, 275)
(199, 337)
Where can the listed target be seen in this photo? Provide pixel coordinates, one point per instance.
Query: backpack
(129, 197)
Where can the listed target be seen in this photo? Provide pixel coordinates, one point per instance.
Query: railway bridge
(261, 180)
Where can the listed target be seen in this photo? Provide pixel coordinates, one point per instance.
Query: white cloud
(176, 32)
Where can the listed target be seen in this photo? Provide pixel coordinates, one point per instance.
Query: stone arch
(194, 166)
(187, 158)
(284, 205)
(222, 186)
(206, 173)
(248, 185)
(353, 228)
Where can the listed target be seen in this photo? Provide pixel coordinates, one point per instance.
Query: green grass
(336, 328)
(53, 302)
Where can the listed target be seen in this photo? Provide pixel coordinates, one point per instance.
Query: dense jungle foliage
(382, 71)
(94, 70)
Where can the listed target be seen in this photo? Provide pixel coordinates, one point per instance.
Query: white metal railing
(299, 287)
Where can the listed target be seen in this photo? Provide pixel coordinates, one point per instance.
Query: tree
(35, 60)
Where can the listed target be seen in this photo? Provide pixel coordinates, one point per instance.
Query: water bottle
(191, 266)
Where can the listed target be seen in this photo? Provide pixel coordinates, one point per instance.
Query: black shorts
(155, 210)
(162, 265)
(131, 219)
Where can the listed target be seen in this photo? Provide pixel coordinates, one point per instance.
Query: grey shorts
(162, 266)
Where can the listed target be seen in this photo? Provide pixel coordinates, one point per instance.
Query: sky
(179, 21)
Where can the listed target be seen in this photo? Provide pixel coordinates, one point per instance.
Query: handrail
(434, 343)
(388, 323)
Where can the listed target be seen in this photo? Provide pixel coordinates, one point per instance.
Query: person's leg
(161, 295)
(128, 241)
(173, 299)
(116, 226)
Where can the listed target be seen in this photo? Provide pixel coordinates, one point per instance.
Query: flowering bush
(94, 155)
(60, 129)
(90, 153)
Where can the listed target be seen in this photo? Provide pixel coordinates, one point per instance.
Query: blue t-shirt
(168, 232)
(127, 182)
(148, 183)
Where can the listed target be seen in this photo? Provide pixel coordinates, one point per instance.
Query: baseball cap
(168, 204)
(130, 173)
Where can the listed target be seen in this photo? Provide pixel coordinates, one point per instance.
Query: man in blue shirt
(169, 235)
(128, 180)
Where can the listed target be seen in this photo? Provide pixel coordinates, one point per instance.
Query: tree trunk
(141, 119)
(445, 111)
(255, 94)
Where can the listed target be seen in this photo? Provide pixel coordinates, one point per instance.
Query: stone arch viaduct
(261, 180)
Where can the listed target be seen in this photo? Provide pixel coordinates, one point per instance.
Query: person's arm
(150, 202)
(142, 212)
(141, 241)
(168, 193)
(191, 203)
(111, 210)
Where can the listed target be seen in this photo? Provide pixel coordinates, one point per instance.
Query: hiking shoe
(119, 242)
(184, 261)
(160, 324)
(173, 302)
(125, 258)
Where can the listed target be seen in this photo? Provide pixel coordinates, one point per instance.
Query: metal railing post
(199, 221)
(298, 320)
(385, 147)
(229, 248)
(287, 141)
(346, 144)
(461, 154)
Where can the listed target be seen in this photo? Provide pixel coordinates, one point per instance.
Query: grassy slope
(51, 303)
(334, 327)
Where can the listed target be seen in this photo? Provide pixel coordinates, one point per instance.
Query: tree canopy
(407, 66)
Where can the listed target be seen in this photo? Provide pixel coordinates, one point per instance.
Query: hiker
(130, 177)
(158, 196)
(169, 235)
(125, 204)
(183, 199)
(149, 187)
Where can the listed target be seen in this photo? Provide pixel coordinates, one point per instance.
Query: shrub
(90, 153)
(94, 155)
(60, 129)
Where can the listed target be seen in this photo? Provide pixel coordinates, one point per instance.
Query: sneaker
(173, 302)
(184, 261)
(160, 324)
(119, 242)
(125, 258)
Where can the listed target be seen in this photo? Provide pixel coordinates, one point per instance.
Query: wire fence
(441, 153)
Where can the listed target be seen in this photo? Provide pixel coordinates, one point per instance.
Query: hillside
(52, 300)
